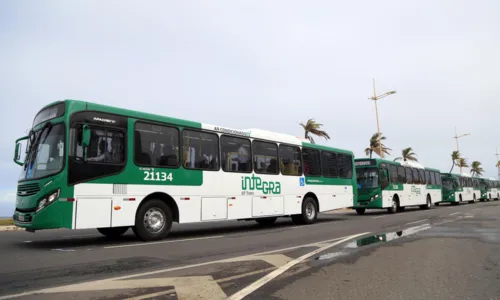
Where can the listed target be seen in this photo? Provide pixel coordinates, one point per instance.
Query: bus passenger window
(156, 145)
(290, 160)
(200, 150)
(236, 154)
(265, 157)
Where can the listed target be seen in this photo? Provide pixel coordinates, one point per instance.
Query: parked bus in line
(488, 187)
(494, 189)
(460, 188)
(95, 166)
(395, 185)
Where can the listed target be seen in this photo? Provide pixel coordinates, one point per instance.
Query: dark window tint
(156, 145)
(312, 162)
(330, 164)
(409, 177)
(427, 177)
(236, 154)
(345, 166)
(291, 161)
(401, 174)
(433, 178)
(438, 178)
(393, 170)
(421, 174)
(265, 158)
(106, 154)
(416, 179)
(200, 150)
(106, 146)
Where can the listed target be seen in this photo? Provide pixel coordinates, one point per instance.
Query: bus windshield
(367, 177)
(447, 183)
(45, 153)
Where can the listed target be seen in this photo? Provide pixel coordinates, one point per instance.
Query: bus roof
(252, 132)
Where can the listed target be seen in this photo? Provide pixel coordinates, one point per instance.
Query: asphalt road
(447, 252)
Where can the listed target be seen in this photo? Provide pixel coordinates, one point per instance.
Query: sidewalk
(10, 228)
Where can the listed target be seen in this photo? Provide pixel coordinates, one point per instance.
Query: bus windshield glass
(45, 152)
(367, 177)
(447, 183)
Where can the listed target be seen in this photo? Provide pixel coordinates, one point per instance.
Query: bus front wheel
(153, 221)
(113, 232)
(361, 211)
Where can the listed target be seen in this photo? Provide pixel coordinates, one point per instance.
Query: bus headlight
(47, 200)
(374, 197)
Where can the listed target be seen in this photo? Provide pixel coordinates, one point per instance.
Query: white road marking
(416, 221)
(262, 281)
(455, 213)
(378, 217)
(64, 250)
(104, 281)
(164, 242)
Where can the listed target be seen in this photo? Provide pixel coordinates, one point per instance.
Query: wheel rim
(310, 210)
(428, 202)
(154, 220)
(394, 205)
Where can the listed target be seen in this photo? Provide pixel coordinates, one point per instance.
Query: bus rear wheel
(113, 232)
(309, 212)
(153, 220)
(427, 204)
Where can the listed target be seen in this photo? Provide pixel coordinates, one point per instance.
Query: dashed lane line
(164, 242)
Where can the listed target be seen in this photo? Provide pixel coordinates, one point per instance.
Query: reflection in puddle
(386, 237)
(374, 239)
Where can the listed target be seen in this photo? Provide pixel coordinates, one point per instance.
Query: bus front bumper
(57, 215)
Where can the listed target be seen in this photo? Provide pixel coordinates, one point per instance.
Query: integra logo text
(104, 120)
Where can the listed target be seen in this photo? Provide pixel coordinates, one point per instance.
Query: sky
(263, 64)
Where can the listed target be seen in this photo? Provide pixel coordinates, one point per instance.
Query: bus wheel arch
(310, 203)
(154, 217)
(167, 199)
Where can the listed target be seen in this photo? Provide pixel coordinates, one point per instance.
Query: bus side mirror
(17, 151)
(85, 136)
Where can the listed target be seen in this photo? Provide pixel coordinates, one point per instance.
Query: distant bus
(488, 188)
(460, 188)
(395, 185)
(95, 166)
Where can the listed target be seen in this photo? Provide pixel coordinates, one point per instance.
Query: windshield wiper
(34, 146)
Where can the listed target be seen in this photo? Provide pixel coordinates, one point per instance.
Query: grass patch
(7, 221)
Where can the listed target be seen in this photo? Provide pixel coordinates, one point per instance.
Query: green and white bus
(395, 185)
(93, 166)
(488, 188)
(460, 188)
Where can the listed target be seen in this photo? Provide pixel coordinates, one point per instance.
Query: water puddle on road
(374, 239)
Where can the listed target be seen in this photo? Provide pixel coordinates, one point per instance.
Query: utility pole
(456, 137)
(498, 165)
(375, 98)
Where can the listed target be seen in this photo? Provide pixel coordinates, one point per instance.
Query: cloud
(7, 203)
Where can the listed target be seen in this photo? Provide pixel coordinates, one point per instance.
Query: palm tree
(374, 146)
(476, 168)
(462, 163)
(311, 127)
(407, 154)
(455, 156)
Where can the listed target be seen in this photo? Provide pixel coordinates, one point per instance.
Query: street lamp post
(498, 165)
(456, 137)
(375, 98)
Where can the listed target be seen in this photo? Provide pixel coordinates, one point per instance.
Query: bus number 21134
(157, 176)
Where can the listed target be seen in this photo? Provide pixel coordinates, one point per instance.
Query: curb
(10, 228)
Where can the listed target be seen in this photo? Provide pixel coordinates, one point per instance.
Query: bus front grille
(28, 189)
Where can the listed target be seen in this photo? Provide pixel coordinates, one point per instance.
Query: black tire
(395, 206)
(113, 232)
(473, 199)
(361, 210)
(160, 212)
(428, 203)
(436, 203)
(309, 213)
(266, 221)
